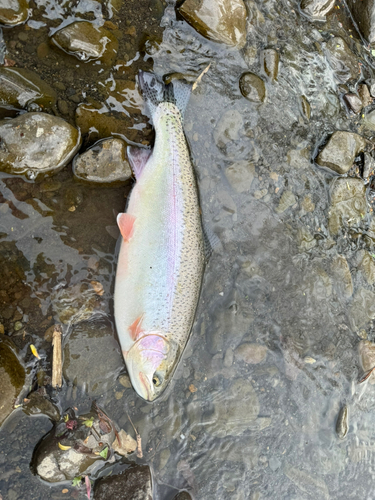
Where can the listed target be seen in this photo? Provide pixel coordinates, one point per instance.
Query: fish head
(151, 362)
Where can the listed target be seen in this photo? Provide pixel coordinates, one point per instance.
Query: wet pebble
(12, 375)
(252, 87)
(317, 9)
(306, 108)
(87, 42)
(339, 153)
(135, 483)
(24, 89)
(271, 60)
(354, 103)
(240, 175)
(36, 143)
(366, 351)
(105, 163)
(342, 423)
(287, 200)
(13, 12)
(342, 60)
(221, 21)
(362, 310)
(251, 353)
(367, 266)
(364, 94)
(348, 203)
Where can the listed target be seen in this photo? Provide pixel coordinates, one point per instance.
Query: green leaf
(104, 453)
(77, 481)
(89, 422)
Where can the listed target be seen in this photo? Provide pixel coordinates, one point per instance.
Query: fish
(161, 259)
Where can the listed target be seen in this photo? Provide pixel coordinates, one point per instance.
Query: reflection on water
(273, 356)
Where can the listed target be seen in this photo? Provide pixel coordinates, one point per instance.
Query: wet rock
(183, 495)
(348, 203)
(354, 103)
(364, 94)
(87, 42)
(24, 89)
(36, 143)
(234, 413)
(286, 201)
(362, 310)
(73, 446)
(339, 153)
(77, 302)
(240, 175)
(369, 167)
(369, 120)
(366, 351)
(228, 129)
(105, 163)
(126, 446)
(221, 20)
(12, 375)
(363, 13)
(342, 424)
(306, 108)
(317, 9)
(251, 353)
(39, 404)
(271, 60)
(92, 357)
(13, 12)
(135, 482)
(306, 240)
(342, 276)
(312, 485)
(342, 60)
(367, 266)
(252, 87)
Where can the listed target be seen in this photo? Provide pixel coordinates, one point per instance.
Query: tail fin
(154, 92)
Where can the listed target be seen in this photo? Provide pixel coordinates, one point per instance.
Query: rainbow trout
(161, 260)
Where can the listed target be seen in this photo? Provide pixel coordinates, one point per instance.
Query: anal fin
(125, 223)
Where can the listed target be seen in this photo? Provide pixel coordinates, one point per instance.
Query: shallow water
(225, 428)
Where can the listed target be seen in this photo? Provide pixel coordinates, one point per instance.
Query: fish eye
(157, 379)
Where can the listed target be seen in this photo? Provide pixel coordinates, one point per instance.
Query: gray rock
(228, 128)
(87, 42)
(367, 266)
(24, 89)
(218, 20)
(339, 153)
(348, 203)
(366, 350)
(353, 102)
(233, 413)
(36, 143)
(92, 356)
(317, 9)
(271, 61)
(240, 175)
(364, 94)
(252, 87)
(369, 120)
(274, 463)
(369, 167)
(363, 12)
(134, 483)
(105, 163)
(342, 60)
(342, 276)
(13, 12)
(342, 423)
(12, 375)
(312, 485)
(251, 353)
(362, 310)
(287, 200)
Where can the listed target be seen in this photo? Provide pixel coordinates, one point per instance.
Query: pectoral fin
(136, 328)
(138, 158)
(125, 223)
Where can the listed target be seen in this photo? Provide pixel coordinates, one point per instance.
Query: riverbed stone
(240, 175)
(251, 353)
(348, 203)
(104, 163)
(218, 20)
(183, 495)
(135, 483)
(363, 12)
(36, 143)
(234, 413)
(22, 88)
(362, 310)
(366, 350)
(286, 201)
(369, 120)
(92, 356)
(354, 102)
(13, 12)
(317, 9)
(87, 42)
(37, 403)
(339, 153)
(252, 87)
(342, 60)
(271, 61)
(364, 94)
(342, 276)
(367, 266)
(12, 375)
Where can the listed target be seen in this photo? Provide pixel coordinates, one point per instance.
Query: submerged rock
(342, 276)
(353, 102)
(87, 42)
(183, 495)
(367, 266)
(348, 203)
(24, 89)
(366, 351)
(364, 94)
(363, 12)
(36, 143)
(251, 353)
(342, 60)
(38, 404)
(134, 483)
(92, 356)
(13, 12)
(105, 163)
(218, 20)
(317, 9)
(12, 376)
(339, 153)
(240, 175)
(252, 87)
(73, 446)
(362, 310)
(271, 60)
(342, 424)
